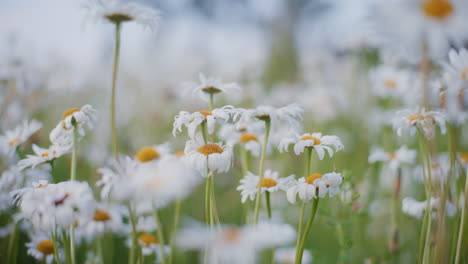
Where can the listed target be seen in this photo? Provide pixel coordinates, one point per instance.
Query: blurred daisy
(210, 86)
(211, 156)
(291, 114)
(413, 119)
(394, 159)
(388, 81)
(43, 155)
(248, 138)
(236, 244)
(13, 138)
(80, 118)
(315, 140)
(41, 248)
(150, 245)
(270, 183)
(107, 217)
(193, 120)
(456, 70)
(314, 186)
(463, 159)
(116, 179)
(288, 256)
(116, 11)
(151, 153)
(416, 209)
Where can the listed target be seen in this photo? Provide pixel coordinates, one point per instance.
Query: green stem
(174, 229)
(268, 204)
(160, 233)
(72, 244)
(211, 101)
(300, 252)
(214, 209)
(56, 252)
(134, 246)
(113, 93)
(261, 169)
(100, 249)
(422, 237)
(244, 161)
(66, 246)
(462, 223)
(299, 228)
(204, 132)
(74, 154)
(12, 244)
(208, 201)
(308, 161)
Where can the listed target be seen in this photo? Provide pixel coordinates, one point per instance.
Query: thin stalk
(12, 244)
(308, 161)
(244, 161)
(131, 256)
(56, 252)
(300, 252)
(113, 92)
(268, 204)
(341, 241)
(425, 68)
(261, 169)
(208, 201)
(299, 228)
(72, 244)
(174, 229)
(204, 132)
(462, 223)
(74, 154)
(100, 249)
(66, 246)
(427, 245)
(160, 233)
(211, 101)
(214, 209)
(393, 243)
(422, 237)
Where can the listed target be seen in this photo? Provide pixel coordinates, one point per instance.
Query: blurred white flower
(463, 159)
(107, 217)
(209, 118)
(394, 159)
(236, 244)
(270, 183)
(288, 255)
(116, 11)
(416, 209)
(15, 137)
(116, 179)
(41, 247)
(413, 119)
(210, 156)
(43, 155)
(315, 140)
(389, 81)
(150, 245)
(291, 114)
(249, 138)
(315, 186)
(211, 86)
(152, 153)
(74, 118)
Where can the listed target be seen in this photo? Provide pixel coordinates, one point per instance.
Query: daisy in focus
(315, 140)
(314, 186)
(211, 156)
(249, 138)
(43, 155)
(394, 159)
(412, 120)
(207, 87)
(205, 119)
(13, 138)
(270, 183)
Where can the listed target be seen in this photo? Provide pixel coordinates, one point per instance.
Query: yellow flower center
(147, 154)
(12, 142)
(208, 149)
(179, 154)
(118, 17)
(148, 239)
(390, 84)
(101, 216)
(46, 247)
(42, 186)
(316, 140)
(268, 182)
(414, 117)
(392, 155)
(311, 179)
(437, 9)
(231, 235)
(205, 112)
(69, 112)
(246, 137)
(464, 157)
(464, 74)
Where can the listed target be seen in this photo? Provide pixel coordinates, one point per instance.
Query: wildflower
(291, 114)
(425, 120)
(416, 209)
(388, 81)
(116, 179)
(74, 118)
(315, 140)
(209, 118)
(151, 153)
(210, 156)
(13, 138)
(107, 217)
(116, 11)
(288, 255)
(394, 159)
(248, 137)
(43, 155)
(270, 183)
(314, 186)
(210, 86)
(42, 248)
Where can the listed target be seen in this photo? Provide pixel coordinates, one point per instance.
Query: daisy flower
(116, 11)
(80, 118)
(315, 140)
(413, 119)
(288, 255)
(210, 156)
(41, 247)
(107, 217)
(270, 183)
(231, 244)
(13, 138)
(394, 159)
(456, 70)
(249, 138)
(416, 209)
(210, 86)
(388, 81)
(314, 186)
(291, 114)
(150, 245)
(150, 153)
(209, 118)
(116, 179)
(43, 155)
